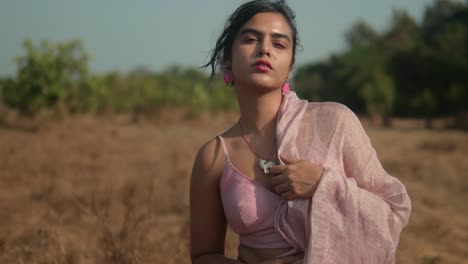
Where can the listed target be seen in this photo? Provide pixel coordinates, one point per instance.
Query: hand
(248, 256)
(297, 179)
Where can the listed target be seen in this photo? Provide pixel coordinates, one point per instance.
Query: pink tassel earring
(228, 78)
(285, 89)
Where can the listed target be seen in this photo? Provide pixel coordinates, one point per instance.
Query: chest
(246, 162)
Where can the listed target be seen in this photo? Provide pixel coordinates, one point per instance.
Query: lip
(262, 68)
(262, 65)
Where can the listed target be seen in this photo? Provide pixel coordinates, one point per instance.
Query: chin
(263, 83)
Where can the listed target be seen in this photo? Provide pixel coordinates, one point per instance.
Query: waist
(265, 239)
(263, 254)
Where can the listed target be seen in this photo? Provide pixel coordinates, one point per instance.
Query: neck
(259, 112)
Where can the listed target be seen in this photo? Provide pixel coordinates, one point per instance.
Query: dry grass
(108, 190)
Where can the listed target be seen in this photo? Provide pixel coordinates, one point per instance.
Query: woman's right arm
(207, 220)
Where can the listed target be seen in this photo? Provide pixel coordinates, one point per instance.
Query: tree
(379, 94)
(409, 70)
(47, 75)
(361, 34)
(401, 36)
(438, 13)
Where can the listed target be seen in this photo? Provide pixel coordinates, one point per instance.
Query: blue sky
(121, 35)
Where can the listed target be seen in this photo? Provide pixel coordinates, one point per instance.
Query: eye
(279, 45)
(250, 39)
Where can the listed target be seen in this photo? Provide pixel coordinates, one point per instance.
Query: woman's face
(262, 52)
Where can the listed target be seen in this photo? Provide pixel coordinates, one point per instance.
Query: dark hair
(244, 13)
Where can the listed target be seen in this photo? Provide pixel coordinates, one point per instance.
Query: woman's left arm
(382, 197)
(363, 208)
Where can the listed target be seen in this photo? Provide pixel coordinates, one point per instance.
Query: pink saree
(358, 210)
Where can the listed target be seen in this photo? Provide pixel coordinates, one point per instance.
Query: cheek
(236, 59)
(285, 65)
(240, 58)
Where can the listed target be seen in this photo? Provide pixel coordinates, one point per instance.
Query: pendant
(266, 165)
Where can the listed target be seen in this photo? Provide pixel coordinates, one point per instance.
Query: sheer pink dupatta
(358, 210)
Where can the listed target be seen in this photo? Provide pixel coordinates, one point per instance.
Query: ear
(288, 78)
(227, 65)
(290, 73)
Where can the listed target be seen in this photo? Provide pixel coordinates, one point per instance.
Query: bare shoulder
(209, 161)
(206, 207)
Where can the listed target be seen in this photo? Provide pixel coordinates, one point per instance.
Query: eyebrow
(260, 33)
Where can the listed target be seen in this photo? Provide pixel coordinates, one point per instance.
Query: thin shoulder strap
(224, 146)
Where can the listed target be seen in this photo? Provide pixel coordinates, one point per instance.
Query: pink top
(250, 208)
(358, 210)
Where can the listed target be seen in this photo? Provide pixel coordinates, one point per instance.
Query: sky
(122, 35)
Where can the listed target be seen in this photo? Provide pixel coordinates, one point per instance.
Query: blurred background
(103, 106)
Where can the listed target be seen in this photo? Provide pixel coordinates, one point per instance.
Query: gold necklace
(262, 163)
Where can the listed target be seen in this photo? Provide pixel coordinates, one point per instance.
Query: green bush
(56, 76)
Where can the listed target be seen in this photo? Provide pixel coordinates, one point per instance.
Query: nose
(263, 49)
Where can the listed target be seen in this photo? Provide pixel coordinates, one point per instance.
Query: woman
(298, 181)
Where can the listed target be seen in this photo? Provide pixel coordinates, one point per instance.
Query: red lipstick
(262, 65)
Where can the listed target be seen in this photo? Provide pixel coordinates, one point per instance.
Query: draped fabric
(358, 210)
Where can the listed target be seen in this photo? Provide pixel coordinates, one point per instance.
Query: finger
(279, 179)
(278, 169)
(282, 188)
(289, 160)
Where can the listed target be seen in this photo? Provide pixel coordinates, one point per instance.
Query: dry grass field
(109, 189)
